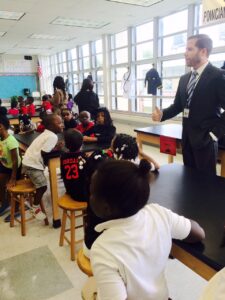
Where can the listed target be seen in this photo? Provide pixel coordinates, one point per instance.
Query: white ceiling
(39, 14)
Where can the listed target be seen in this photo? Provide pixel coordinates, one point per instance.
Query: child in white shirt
(129, 257)
(33, 163)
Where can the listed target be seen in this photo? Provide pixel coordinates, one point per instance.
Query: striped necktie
(191, 86)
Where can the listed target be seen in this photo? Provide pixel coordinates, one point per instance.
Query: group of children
(22, 106)
(129, 239)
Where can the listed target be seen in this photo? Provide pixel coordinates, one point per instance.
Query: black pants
(203, 159)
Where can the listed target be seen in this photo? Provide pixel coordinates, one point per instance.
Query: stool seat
(69, 207)
(23, 186)
(66, 202)
(84, 263)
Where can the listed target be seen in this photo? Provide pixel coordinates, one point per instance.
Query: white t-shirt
(46, 141)
(129, 257)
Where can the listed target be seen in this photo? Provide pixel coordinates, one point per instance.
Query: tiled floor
(35, 267)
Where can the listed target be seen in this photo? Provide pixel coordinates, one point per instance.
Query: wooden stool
(84, 263)
(69, 207)
(23, 190)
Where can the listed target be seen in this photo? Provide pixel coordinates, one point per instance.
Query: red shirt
(13, 111)
(47, 105)
(82, 129)
(31, 109)
(23, 110)
(40, 128)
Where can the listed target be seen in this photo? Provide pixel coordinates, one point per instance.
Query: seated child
(73, 166)
(69, 120)
(30, 106)
(124, 147)
(130, 256)
(70, 102)
(10, 163)
(22, 106)
(103, 131)
(46, 104)
(85, 122)
(33, 162)
(41, 127)
(25, 123)
(13, 110)
(3, 109)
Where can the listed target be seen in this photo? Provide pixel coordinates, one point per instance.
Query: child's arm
(196, 234)
(12, 180)
(149, 158)
(90, 139)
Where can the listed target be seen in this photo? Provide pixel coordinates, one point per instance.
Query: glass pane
(144, 32)
(121, 39)
(173, 23)
(145, 51)
(99, 60)
(142, 70)
(121, 56)
(141, 89)
(174, 44)
(73, 53)
(98, 46)
(173, 68)
(100, 76)
(217, 34)
(122, 104)
(144, 105)
(86, 63)
(113, 103)
(64, 67)
(74, 65)
(85, 50)
(217, 59)
(101, 100)
(119, 73)
(60, 68)
(170, 86)
(166, 103)
(99, 88)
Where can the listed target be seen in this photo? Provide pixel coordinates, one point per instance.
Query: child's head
(53, 123)
(66, 114)
(87, 84)
(84, 118)
(14, 104)
(70, 97)
(20, 99)
(103, 116)
(4, 124)
(119, 189)
(124, 146)
(30, 100)
(73, 139)
(45, 98)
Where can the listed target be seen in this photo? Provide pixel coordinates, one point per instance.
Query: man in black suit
(200, 97)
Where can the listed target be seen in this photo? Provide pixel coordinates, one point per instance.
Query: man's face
(193, 55)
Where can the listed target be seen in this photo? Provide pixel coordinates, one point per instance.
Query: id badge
(186, 113)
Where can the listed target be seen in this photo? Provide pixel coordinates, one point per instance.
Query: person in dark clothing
(153, 80)
(69, 120)
(223, 66)
(86, 99)
(103, 131)
(73, 166)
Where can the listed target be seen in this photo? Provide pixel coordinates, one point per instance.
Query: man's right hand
(157, 115)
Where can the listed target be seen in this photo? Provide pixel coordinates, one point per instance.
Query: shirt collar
(115, 223)
(201, 69)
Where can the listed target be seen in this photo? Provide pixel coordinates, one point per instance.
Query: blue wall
(14, 85)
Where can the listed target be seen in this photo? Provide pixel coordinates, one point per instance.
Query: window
(173, 23)
(144, 32)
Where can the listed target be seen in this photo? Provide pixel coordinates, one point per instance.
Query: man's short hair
(203, 41)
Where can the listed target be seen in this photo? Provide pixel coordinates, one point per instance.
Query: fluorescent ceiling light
(79, 23)
(137, 2)
(11, 15)
(2, 33)
(50, 37)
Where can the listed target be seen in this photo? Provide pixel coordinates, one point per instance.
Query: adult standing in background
(86, 99)
(60, 96)
(200, 97)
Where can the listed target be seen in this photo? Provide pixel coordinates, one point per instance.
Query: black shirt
(103, 133)
(87, 100)
(73, 169)
(72, 123)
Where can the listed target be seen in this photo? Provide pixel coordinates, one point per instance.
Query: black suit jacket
(205, 108)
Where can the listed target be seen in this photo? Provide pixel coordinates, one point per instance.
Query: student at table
(30, 106)
(129, 257)
(85, 122)
(33, 162)
(14, 109)
(68, 119)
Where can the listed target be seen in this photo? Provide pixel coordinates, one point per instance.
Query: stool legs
(22, 212)
(63, 228)
(12, 212)
(72, 234)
